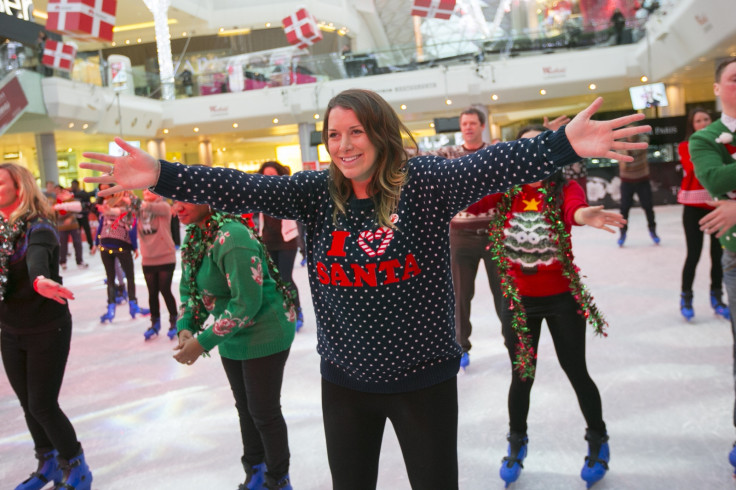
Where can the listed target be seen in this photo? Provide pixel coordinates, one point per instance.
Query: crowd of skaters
(373, 190)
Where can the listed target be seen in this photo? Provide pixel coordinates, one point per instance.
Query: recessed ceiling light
(316, 116)
(235, 125)
(592, 86)
(542, 92)
(71, 125)
(448, 101)
(494, 97)
(403, 107)
(196, 130)
(166, 131)
(431, 125)
(275, 120)
(644, 78)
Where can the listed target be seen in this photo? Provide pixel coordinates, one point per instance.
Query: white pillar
(160, 11)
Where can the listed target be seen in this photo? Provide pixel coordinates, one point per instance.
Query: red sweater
(691, 191)
(529, 242)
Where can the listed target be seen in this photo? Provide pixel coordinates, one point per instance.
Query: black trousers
(643, 189)
(467, 249)
(83, 220)
(64, 245)
(694, 240)
(284, 260)
(567, 328)
(158, 280)
(35, 365)
(425, 422)
(126, 262)
(256, 386)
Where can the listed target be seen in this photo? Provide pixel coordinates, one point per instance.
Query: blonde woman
(36, 328)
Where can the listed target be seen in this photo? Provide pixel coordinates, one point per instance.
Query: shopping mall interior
(238, 93)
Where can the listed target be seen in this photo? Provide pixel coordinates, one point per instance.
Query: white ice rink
(147, 422)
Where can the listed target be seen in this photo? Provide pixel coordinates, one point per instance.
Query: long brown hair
(384, 130)
(31, 200)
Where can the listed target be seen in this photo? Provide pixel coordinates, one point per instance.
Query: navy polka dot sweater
(383, 298)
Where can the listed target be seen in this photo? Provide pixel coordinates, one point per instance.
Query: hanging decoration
(85, 20)
(301, 29)
(436, 9)
(59, 55)
(524, 364)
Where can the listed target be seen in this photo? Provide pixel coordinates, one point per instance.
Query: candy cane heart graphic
(383, 235)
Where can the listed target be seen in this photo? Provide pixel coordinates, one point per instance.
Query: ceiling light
(275, 120)
(233, 32)
(69, 150)
(268, 24)
(403, 107)
(644, 78)
(448, 101)
(542, 92)
(316, 116)
(166, 131)
(196, 130)
(85, 126)
(235, 125)
(592, 86)
(71, 125)
(138, 40)
(141, 25)
(127, 41)
(431, 125)
(494, 97)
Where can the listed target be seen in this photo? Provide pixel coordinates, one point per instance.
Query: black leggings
(256, 385)
(284, 260)
(158, 280)
(35, 365)
(567, 328)
(643, 189)
(694, 240)
(425, 422)
(126, 262)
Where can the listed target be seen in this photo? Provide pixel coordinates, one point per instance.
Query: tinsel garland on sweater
(9, 235)
(193, 253)
(524, 364)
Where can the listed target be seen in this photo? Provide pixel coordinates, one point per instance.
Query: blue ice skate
(512, 464)
(596, 462)
(48, 470)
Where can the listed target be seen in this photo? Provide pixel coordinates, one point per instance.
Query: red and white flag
(437, 9)
(86, 20)
(59, 55)
(301, 29)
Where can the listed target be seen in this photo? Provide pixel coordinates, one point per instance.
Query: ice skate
(686, 305)
(137, 310)
(596, 462)
(512, 464)
(720, 308)
(153, 329)
(48, 470)
(107, 317)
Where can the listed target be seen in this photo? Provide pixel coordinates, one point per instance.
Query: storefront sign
(21, 9)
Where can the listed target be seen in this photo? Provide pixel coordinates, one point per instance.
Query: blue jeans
(729, 282)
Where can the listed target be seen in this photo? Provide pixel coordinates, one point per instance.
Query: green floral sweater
(248, 316)
(712, 150)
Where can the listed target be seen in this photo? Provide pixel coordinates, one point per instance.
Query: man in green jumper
(713, 153)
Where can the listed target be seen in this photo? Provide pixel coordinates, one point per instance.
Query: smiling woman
(379, 267)
(36, 328)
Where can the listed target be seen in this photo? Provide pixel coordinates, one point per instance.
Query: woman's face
(701, 120)
(8, 193)
(270, 171)
(189, 213)
(349, 146)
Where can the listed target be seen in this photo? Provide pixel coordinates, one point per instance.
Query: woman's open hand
(135, 170)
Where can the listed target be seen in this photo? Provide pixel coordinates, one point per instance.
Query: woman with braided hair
(227, 273)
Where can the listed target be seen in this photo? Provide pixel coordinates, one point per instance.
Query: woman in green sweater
(227, 274)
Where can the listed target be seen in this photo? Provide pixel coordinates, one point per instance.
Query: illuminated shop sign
(22, 9)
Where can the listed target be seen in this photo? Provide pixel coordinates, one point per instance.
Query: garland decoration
(524, 364)
(9, 235)
(193, 252)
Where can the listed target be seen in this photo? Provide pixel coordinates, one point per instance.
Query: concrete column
(309, 153)
(676, 102)
(205, 153)
(47, 161)
(157, 148)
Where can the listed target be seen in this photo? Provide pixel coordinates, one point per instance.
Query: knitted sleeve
(712, 161)
(41, 243)
(462, 181)
(238, 258)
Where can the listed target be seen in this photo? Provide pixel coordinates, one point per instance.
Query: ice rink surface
(147, 422)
